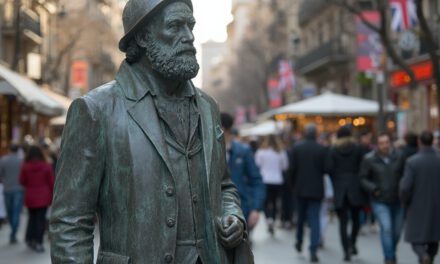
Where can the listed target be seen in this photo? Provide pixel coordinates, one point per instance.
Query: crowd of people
(27, 179)
(389, 182)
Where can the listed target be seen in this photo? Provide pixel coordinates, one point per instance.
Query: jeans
(390, 218)
(36, 225)
(309, 209)
(273, 192)
(14, 204)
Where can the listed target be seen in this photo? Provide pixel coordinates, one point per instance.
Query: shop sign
(422, 71)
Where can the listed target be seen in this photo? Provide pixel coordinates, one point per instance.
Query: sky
(212, 17)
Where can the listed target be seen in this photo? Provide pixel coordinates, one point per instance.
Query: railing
(331, 51)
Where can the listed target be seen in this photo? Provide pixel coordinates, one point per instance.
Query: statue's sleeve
(78, 176)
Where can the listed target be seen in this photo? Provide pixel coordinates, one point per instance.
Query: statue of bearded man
(145, 153)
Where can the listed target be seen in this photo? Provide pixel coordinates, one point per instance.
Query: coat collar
(136, 88)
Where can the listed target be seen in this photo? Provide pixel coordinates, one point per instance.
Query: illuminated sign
(422, 71)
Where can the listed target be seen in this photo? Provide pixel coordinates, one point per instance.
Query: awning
(29, 92)
(262, 129)
(330, 104)
(64, 101)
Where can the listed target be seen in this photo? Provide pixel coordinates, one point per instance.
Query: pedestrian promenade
(267, 250)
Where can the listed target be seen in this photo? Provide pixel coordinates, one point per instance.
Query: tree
(383, 30)
(255, 59)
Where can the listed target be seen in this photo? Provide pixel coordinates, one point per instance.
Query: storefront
(24, 109)
(420, 109)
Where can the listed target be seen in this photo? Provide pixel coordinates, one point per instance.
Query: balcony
(29, 25)
(328, 53)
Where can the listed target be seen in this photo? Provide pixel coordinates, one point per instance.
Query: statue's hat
(137, 12)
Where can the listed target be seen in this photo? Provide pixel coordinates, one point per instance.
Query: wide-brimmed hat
(137, 12)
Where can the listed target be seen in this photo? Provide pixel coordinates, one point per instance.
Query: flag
(403, 15)
(286, 75)
(275, 97)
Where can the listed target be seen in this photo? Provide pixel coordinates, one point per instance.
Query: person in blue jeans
(380, 173)
(244, 173)
(10, 166)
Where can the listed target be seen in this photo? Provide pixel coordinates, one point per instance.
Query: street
(267, 250)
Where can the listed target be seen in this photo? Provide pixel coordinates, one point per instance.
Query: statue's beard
(173, 64)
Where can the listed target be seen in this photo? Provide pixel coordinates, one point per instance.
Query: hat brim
(125, 40)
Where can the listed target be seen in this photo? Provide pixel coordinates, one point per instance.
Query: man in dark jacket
(380, 175)
(244, 173)
(344, 162)
(307, 170)
(419, 191)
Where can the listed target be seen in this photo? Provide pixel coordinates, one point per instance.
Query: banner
(286, 75)
(275, 96)
(369, 45)
(79, 74)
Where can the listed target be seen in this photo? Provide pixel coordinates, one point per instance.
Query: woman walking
(272, 160)
(344, 162)
(37, 178)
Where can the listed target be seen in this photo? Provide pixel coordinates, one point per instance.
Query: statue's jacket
(114, 164)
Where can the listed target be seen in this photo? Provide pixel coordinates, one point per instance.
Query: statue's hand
(231, 231)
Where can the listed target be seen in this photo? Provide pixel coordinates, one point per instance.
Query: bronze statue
(146, 154)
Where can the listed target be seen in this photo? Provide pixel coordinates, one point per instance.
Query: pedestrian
(37, 178)
(272, 160)
(419, 192)
(308, 169)
(410, 147)
(244, 173)
(380, 174)
(10, 166)
(344, 162)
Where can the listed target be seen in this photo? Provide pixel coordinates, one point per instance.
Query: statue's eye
(173, 25)
(191, 25)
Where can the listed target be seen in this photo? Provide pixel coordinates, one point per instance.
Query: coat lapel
(144, 114)
(207, 131)
(141, 109)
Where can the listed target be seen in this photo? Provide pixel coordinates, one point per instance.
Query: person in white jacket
(272, 160)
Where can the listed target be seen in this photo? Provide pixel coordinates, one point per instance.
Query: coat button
(168, 258)
(171, 222)
(170, 191)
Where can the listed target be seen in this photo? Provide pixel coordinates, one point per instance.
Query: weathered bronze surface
(145, 153)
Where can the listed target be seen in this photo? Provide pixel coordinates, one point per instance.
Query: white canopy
(330, 104)
(262, 129)
(28, 91)
(62, 100)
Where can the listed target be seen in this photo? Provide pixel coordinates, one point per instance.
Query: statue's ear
(141, 39)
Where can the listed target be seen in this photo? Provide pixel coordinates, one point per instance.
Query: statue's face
(170, 43)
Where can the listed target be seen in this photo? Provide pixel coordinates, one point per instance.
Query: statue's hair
(135, 52)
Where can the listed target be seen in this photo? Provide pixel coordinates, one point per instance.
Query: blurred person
(37, 178)
(272, 160)
(10, 166)
(307, 172)
(344, 162)
(419, 192)
(244, 173)
(366, 142)
(410, 147)
(325, 140)
(380, 174)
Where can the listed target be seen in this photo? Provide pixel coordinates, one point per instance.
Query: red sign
(422, 71)
(275, 97)
(80, 74)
